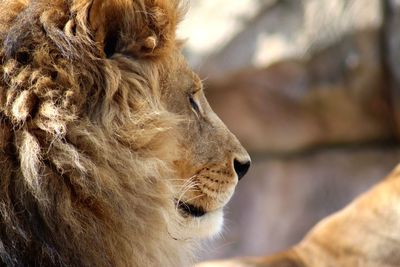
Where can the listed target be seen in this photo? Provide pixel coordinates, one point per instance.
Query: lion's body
(88, 142)
(363, 234)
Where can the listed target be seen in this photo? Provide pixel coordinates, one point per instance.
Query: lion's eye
(194, 104)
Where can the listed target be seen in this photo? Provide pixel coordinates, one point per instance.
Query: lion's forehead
(178, 76)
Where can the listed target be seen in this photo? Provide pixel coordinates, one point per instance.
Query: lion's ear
(104, 23)
(140, 28)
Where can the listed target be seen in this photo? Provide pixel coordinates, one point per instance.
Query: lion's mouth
(189, 209)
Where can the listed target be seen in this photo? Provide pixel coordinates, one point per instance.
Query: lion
(363, 234)
(109, 152)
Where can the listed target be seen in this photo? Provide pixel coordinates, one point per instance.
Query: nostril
(241, 168)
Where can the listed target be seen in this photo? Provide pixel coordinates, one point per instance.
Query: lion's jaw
(187, 228)
(206, 226)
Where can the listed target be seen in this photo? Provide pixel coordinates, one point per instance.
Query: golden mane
(82, 139)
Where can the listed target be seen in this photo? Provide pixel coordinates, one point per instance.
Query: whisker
(186, 189)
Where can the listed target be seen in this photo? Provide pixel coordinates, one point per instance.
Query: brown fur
(97, 137)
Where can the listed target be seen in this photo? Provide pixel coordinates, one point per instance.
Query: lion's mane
(83, 162)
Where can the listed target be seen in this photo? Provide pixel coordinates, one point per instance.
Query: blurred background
(311, 88)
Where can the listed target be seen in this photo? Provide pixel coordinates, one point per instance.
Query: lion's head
(109, 152)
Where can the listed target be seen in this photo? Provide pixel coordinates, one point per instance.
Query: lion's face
(212, 160)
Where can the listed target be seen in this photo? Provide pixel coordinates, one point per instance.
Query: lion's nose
(241, 168)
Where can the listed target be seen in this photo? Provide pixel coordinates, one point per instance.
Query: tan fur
(98, 139)
(363, 234)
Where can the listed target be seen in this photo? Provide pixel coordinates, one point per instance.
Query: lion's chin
(210, 224)
(205, 226)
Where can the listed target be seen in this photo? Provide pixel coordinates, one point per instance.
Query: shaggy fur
(94, 136)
